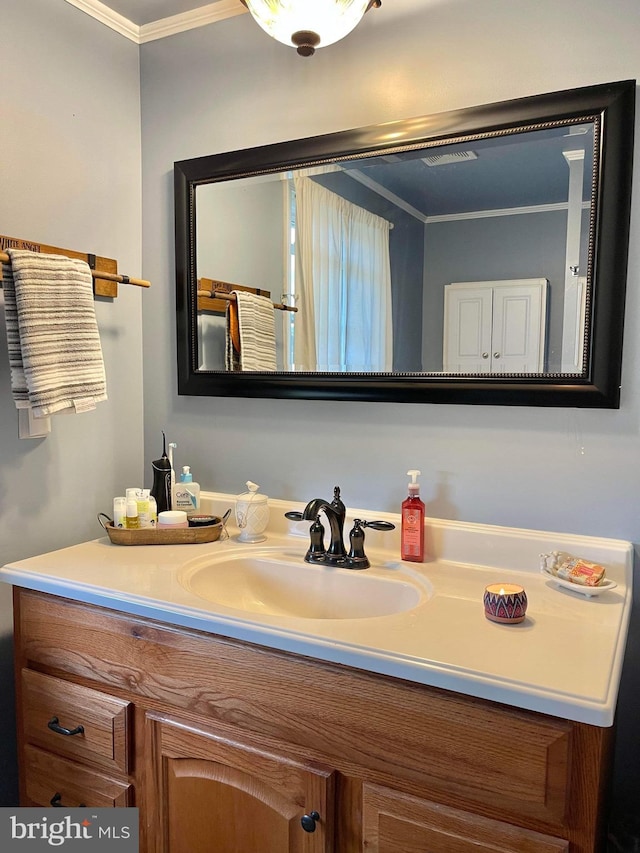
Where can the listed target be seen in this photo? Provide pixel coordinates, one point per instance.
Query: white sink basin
(278, 582)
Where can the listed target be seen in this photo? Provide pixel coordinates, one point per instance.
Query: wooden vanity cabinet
(234, 748)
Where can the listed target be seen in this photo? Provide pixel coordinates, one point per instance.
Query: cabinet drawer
(50, 780)
(97, 724)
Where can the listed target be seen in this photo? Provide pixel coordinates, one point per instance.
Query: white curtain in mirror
(343, 280)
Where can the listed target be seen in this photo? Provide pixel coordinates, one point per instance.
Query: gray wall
(230, 87)
(69, 177)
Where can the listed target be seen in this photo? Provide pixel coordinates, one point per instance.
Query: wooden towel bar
(212, 294)
(104, 270)
(231, 297)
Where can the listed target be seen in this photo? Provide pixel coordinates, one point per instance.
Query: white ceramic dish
(587, 591)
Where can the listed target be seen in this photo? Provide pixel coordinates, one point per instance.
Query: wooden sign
(218, 306)
(101, 287)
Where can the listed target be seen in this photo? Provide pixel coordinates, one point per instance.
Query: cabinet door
(467, 329)
(209, 793)
(495, 326)
(519, 323)
(398, 823)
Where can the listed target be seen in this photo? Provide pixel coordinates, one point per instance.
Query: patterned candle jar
(505, 603)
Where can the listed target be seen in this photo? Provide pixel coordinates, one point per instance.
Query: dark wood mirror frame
(611, 106)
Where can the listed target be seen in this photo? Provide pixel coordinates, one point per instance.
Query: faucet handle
(316, 548)
(356, 557)
(378, 525)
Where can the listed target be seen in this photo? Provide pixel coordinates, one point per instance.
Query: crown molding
(209, 14)
(109, 18)
(506, 211)
(164, 27)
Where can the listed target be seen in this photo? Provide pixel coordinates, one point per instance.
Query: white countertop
(565, 659)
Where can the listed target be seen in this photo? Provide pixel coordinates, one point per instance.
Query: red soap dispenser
(412, 529)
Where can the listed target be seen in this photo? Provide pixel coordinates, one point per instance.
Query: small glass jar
(252, 514)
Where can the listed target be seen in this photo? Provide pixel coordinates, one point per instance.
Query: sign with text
(107, 830)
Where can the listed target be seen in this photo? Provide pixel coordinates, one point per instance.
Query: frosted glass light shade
(308, 24)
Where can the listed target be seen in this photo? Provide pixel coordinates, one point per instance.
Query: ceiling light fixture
(309, 24)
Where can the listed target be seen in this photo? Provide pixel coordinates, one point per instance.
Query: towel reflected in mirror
(250, 333)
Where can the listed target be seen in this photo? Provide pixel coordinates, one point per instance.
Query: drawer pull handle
(55, 802)
(308, 821)
(54, 725)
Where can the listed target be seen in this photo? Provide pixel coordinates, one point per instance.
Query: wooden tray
(158, 536)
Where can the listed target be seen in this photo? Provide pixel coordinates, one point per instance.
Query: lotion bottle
(412, 524)
(120, 512)
(186, 493)
(132, 521)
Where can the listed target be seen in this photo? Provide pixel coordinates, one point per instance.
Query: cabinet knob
(485, 355)
(54, 725)
(308, 821)
(496, 355)
(55, 801)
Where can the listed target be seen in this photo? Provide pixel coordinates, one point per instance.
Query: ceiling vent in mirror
(454, 157)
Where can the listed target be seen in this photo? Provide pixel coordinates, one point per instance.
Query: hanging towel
(256, 327)
(56, 357)
(19, 390)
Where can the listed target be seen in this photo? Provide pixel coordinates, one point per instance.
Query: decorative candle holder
(505, 603)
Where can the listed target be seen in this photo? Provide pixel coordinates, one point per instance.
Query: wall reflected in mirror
(469, 257)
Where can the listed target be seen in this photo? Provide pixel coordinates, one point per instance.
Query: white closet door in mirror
(495, 326)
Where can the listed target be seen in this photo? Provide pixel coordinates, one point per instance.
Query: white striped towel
(54, 345)
(18, 381)
(257, 334)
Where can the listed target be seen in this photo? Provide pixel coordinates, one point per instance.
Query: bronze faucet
(336, 555)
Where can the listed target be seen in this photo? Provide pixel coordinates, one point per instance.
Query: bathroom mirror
(475, 256)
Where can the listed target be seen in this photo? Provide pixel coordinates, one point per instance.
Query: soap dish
(587, 591)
